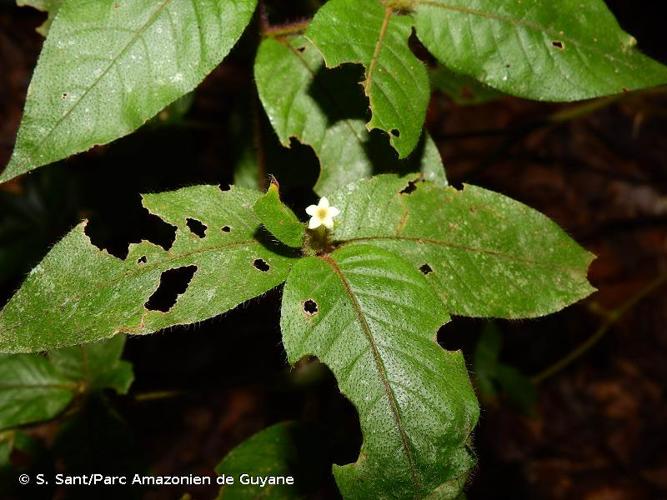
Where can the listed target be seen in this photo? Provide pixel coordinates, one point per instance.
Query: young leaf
(396, 82)
(80, 294)
(321, 111)
(486, 255)
(31, 390)
(554, 51)
(96, 366)
(108, 66)
(278, 219)
(284, 449)
(372, 318)
(49, 6)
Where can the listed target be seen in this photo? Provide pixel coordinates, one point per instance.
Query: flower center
(322, 213)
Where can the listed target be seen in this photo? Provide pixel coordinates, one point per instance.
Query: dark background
(597, 430)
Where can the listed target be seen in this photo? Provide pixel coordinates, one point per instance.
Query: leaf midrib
(388, 11)
(525, 24)
(379, 363)
(325, 90)
(449, 244)
(139, 32)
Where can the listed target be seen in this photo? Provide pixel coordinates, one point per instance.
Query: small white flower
(322, 214)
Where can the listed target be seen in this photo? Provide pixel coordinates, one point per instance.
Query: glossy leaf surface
(108, 66)
(565, 50)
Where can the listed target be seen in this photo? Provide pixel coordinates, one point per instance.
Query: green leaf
(463, 90)
(108, 66)
(321, 108)
(554, 51)
(395, 81)
(6, 445)
(35, 388)
(49, 6)
(97, 365)
(485, 255)
(81, 294)
(284, 449)
(486, 358)
(518, 388)
(31, 390)
(372, 318)
(278, 219)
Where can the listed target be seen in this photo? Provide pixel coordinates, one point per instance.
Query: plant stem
(156, 395)
(286, 29)
(612, 318)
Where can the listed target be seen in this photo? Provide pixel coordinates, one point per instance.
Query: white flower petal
(333, 212)
(324, 202)
(311, 209)
(328, 222)
(314, 223)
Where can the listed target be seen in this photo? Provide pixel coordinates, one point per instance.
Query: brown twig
(612, 318)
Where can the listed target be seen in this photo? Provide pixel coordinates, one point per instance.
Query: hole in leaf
(301, 49)
(310, 307)
(226, 229)
(64, 96)
(224, 187)
(196, 227)
(173, 283)
(395, 132)
(426, 269)
(142, 260)
(261, 265)
(410, 188)
(558, 44)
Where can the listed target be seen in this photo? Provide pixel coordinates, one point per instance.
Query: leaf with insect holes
(279, 219)
(108, 66)
(49, 6)
(396, 82)
(485, 255)
(34, 388)
(80, 294)
(322, 108)
(372, 318)
(554, 51)
(284, 449)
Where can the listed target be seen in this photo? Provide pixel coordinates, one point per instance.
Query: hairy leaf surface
(483, 253)
(320, 108)
(80, 294)
(279, 219)
(396, 82)
(372, 318)
(555, 51)
(108, 66)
